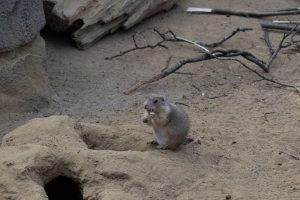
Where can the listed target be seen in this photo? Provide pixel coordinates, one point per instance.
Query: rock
(34, 154)
(24, 82)
(21, 21)
(91, 20)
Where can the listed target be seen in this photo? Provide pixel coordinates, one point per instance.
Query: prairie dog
(169, 122)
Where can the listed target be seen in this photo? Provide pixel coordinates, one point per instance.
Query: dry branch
(220, 54)
(280, 45)
(170, 36)
(294, 42)
(167, 72)
(266, 38)
(292, 156)
(244, 13)
(221, 41)
(278, 26)
(263, 78)
(136, 47)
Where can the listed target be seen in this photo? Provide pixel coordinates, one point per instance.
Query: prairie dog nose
(149, 108)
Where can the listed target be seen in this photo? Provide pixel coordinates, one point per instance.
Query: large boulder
(24, 84)
(90, 20)
(21, 21)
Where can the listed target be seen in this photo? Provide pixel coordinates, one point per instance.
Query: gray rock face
(21, 21)
(24, 82)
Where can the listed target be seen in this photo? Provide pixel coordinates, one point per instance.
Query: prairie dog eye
(155, 101)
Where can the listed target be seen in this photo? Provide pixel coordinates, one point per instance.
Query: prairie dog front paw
(145, 117)
(145, 120)
(151, 114)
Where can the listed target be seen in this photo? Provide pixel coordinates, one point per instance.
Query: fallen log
(90, 20)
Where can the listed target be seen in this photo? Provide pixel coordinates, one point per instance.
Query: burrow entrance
(63, 188)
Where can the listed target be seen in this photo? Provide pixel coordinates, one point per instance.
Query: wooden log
(84, 38)
(90, 20)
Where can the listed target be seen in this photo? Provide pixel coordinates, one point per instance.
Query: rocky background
(24, 84)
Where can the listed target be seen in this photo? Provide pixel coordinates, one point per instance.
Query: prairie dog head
(156, 104)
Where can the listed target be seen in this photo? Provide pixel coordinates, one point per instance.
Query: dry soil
(240, 124)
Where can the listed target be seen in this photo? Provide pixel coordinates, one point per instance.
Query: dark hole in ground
(63, 188)
(56, 38)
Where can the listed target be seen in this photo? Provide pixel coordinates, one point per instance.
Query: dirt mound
(48, 148)
(40, 156)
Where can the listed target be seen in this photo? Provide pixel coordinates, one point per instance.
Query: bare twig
(292, 156)
(201, 44)
(194, 43)
(220, 54)
(273, 56)
(170, 36)
(136, 47)
(245, 54)
(167, 72)
(184, 73)
(268, 42)
(262, 76)
(280, 45)
(293, 41)
(168, 61)
(216, 55)
(203, 57)
(219, 96)
(175, 38)
(221, 41)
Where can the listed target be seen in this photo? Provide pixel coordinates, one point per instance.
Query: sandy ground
(240, 134)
